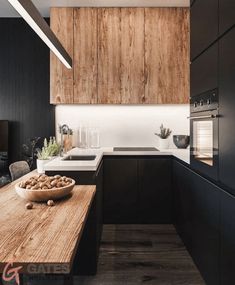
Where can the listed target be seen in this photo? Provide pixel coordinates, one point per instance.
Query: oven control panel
(204, 102)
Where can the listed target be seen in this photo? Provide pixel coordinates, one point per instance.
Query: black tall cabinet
(204, 25)
(227, 110)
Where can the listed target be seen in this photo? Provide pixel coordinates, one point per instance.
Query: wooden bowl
(44, 195)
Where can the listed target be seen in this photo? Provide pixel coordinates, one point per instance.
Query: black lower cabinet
(206, 228)
(183, 201)
(86, 259)
(120, 190)
(227, 239)
(137, 190)
(154, 195)
(197, 219)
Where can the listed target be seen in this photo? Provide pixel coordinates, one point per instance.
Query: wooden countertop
(44, 236)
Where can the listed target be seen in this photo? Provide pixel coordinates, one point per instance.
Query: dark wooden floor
(138, 254)
(143, 254)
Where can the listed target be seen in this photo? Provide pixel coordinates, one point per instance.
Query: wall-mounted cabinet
(122, 56)
(61, 78)
(226, 15)
(85, 56)
(166, 56)
(204, 25)
(204, 71)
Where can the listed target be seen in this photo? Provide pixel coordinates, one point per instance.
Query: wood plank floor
(138, 254)
(143, 254)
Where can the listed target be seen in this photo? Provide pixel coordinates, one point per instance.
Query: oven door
(204, 143)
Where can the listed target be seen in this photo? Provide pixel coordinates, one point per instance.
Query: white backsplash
(125, 125)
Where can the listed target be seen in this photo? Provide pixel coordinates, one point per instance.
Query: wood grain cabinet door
(121, 55)
(132, 55)
(109, 56)
(85, 55)
(61, 78)
(166, 55)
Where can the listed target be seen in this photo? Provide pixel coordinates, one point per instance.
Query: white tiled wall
(125, 125)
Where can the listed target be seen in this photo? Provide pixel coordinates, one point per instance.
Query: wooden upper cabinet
(85, 55)
(132, 55)
(61, 78)
(121, 55)
(166, 55)
(109, 55)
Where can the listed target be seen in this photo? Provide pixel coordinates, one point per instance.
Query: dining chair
(18, 169)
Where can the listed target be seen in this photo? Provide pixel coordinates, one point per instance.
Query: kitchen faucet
(64, 129)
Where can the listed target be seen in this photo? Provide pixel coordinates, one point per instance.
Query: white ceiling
(6, 10)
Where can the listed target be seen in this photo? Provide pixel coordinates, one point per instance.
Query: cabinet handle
(203, 117)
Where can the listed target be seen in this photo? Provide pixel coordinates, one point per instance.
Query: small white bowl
(44, 195)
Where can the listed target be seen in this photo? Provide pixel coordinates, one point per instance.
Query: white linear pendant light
(32, 16)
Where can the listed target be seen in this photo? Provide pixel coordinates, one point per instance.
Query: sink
(135, 149)
(80, 157)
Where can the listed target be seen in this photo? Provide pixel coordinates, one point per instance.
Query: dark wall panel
(24, 84)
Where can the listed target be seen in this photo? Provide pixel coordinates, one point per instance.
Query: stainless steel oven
(204, 133)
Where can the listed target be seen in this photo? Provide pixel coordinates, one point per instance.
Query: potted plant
(163, 137)
(49, 151)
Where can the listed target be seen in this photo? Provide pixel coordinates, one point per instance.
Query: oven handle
(203, 117)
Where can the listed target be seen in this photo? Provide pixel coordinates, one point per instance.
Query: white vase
(40, 165)
(163, 143)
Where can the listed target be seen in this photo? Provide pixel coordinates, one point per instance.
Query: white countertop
(92, 165)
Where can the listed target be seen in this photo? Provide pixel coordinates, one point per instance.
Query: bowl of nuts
(41, 188)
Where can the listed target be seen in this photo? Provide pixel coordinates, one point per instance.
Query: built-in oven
(204, 134)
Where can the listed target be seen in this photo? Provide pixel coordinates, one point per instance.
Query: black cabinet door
(205, 229)
(226, 15)
(227, 239)
(227, 110)
(204, 71)
(155, 196)
(120, 190)
(182, 189)
(204, 25)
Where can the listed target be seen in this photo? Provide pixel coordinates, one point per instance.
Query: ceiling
(6, 10)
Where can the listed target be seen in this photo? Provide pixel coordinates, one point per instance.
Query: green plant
(53, 147)
(49, 149)
(164, 132)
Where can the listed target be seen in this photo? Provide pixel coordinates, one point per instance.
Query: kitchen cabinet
(137, 190)
(204, 71)
(183, 201)
(61, 78)
(226, 15)
(166, 56)
(109, 56)
(85, 56)
(197, 218)
(91, 238)
(118, 53)
(154, 197)
(121, 55)
(120, 190)
(204, 25)
(206, 228)
(227, 114)
(227, 238)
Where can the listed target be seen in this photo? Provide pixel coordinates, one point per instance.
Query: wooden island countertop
(43, 235)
